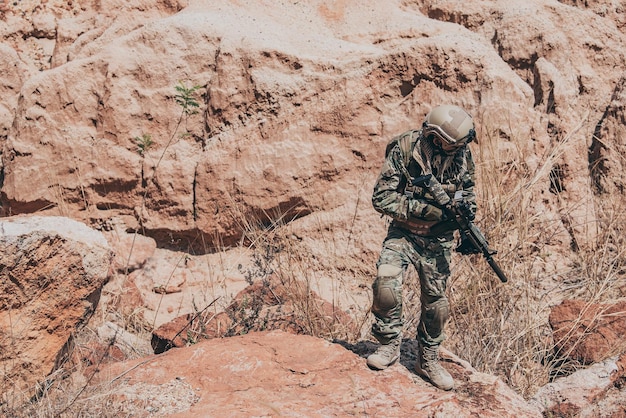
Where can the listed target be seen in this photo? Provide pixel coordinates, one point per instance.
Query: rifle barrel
(496, 268)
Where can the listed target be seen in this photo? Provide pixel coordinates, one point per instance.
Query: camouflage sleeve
(387, 197)
(469, 181)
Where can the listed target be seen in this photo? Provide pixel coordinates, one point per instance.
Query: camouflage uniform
(409, 240)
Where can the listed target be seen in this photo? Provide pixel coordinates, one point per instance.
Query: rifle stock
(460, 214)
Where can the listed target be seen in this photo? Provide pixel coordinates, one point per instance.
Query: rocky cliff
(221, 144)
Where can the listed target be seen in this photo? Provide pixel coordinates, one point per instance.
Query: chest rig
(415, 159)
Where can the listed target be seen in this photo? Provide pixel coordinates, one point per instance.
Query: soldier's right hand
(465, 210)
(432, 213)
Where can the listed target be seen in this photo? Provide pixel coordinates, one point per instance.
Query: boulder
(51, 272)
(588, 332)
(275, 373)
(594, 391)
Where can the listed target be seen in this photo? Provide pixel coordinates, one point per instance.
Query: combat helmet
(449, 127)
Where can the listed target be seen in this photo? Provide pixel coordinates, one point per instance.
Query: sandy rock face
(13, 72)
(51, 275)
(131, 250)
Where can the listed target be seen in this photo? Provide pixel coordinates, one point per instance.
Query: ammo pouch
(416, 226)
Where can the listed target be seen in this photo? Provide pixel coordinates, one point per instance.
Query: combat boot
(385, 355)
(427, 365)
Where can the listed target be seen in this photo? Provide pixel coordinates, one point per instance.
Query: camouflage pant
(431, 259)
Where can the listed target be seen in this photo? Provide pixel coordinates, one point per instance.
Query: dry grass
(503, 329)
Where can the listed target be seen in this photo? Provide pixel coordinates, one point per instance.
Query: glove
(466, 210)
(465, 246)
(432, 213)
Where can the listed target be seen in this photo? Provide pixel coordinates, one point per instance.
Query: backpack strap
(406, 142)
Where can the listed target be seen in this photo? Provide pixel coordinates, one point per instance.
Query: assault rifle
(458, 211)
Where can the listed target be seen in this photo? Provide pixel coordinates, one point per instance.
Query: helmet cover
(449, 127)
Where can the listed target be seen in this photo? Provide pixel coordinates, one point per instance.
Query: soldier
(438, 148)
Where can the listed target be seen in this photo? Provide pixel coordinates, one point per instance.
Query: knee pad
(387, 289)
(440, 310)
(434, 317)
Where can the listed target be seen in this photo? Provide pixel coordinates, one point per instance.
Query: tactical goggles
(443, 140)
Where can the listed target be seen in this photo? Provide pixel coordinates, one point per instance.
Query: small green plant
(185, 98)
(144, 143)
